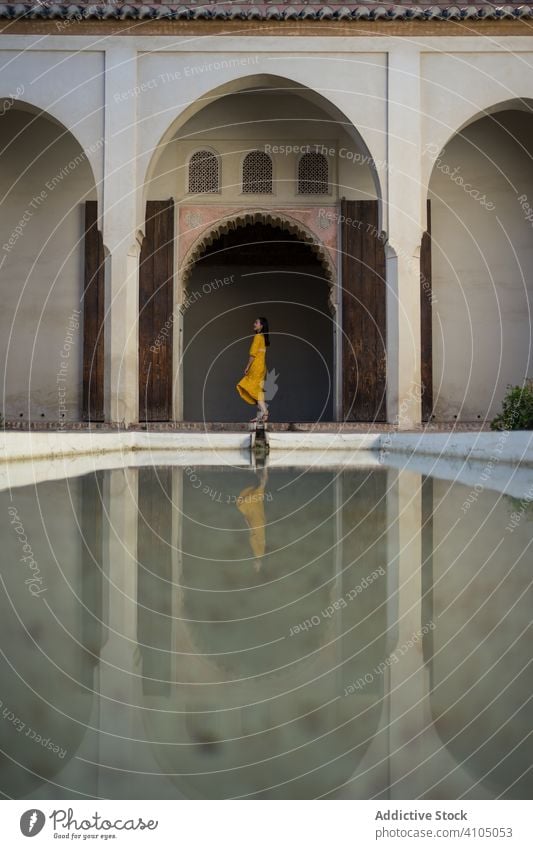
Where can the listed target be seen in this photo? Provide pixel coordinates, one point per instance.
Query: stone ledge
(232, 427)
(512, 447)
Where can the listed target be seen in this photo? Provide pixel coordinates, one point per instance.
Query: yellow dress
(251, 503)
(251, 387)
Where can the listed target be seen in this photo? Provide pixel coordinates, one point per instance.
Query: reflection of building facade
(162, 662)
(148, 163)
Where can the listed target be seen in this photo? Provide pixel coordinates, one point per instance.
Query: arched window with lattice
(204, 172)
(313, 174)
(257, 173)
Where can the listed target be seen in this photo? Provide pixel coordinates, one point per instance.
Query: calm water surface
(210, 632)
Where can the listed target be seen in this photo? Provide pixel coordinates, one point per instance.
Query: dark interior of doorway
(254, 270)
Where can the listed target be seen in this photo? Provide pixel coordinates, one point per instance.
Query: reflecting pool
(209, 631)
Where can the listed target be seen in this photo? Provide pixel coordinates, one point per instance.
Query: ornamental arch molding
(271, 218)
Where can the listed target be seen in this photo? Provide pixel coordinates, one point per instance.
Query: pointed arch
(272, 218)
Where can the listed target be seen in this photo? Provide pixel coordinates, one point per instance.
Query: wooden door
(156, 276)
(93, 318)
(364, 366)
(426, 340)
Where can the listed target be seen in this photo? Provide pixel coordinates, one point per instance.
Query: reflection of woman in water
(251, 503)
(251, 387)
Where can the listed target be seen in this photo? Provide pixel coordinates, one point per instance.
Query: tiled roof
(251, 10)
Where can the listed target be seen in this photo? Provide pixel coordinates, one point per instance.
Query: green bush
(517, 413)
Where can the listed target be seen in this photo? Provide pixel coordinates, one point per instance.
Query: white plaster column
(120, 227)
(178, 332)
(337, 328)
(119, 669)
(408, 680)
(405, 223)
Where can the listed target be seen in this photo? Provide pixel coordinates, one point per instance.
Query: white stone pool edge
(504, 446)
(502, 462)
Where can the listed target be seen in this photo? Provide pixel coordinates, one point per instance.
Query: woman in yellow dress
(251, 503)
(251, 387)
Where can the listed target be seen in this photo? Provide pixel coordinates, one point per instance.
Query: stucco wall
(44, 180)
(283, 125)
(398, 96)
(181, 83)
(482, 265)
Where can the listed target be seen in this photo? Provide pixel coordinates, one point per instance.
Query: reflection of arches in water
(48, 677)
(479, 645)
(293, 751)
(365, 567)
(426, 576)
(500, 732)
(265, 730)
(295, 581)
(47, 740)
(154, 578)
(299, 576)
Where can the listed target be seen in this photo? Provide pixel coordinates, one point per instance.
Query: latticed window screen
(313, 177)
(257, 173)
(203, 172)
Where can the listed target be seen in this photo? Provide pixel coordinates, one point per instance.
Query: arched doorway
(258, 268)
(236, 152)
(266, 145)
(51, 254)
(481, 212)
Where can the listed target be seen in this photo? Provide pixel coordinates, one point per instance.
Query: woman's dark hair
(265, 331)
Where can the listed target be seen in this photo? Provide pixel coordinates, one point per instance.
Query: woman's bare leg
(262, 408)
